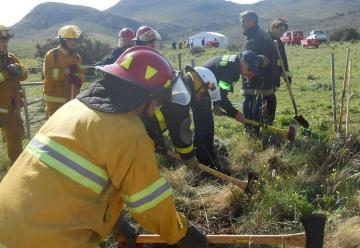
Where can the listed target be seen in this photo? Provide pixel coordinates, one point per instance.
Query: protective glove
(74, 68)
(192, 163)
(75, 80)
(14, 70)
(160, 145)
(240, 117)
(127, 230)
(195, 237)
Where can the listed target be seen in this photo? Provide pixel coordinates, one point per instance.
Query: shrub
(344, 34)
(91, 51)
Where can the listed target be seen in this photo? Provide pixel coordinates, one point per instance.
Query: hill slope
(45, 19)
(218, 15)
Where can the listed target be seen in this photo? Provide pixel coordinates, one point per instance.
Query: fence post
(26, 115)
(192, 62)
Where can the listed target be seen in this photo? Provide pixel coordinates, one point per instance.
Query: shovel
(298, 118)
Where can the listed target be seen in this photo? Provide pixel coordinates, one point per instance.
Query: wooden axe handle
(297, 239)
(215, 173)
(282, 132)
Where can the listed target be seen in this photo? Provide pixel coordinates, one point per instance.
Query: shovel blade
(301, 120)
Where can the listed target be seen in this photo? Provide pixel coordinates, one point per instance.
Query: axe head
(292, 133)
(314, 226)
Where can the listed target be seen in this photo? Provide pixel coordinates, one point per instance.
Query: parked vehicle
(318, 34)
(293, 37)
(307, 43)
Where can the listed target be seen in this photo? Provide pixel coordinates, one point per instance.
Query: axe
(313, 237)
(289, 134)
(246, 186)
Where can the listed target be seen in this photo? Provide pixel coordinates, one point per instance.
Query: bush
(344, 34)
(91, 51)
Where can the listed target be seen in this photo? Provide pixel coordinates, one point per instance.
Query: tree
(91, 51)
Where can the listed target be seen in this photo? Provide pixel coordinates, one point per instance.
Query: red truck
(292, 37)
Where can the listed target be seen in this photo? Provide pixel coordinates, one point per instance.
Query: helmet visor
(180, 94)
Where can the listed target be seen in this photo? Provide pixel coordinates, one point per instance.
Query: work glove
(127, 230)
(195, 237)
(74, 68)
(192, 163)
(75, 80)
(161, 145)
(14, 70)
(240, 117)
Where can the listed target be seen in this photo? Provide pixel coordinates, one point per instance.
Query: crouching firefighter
(11, 73)
(226, 70)
(68, 187)
(63, 74)
(175, 116)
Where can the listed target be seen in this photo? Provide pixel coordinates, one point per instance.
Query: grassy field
(320, 172)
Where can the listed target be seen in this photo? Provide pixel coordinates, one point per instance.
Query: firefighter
(277, 29)
(11, 72)
(68, 187)
(125, 41)
(175, 118)
(227, 70)
(62, 70)
(147, 36)
(261, 86)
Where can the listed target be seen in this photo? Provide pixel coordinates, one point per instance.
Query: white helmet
(209, 79)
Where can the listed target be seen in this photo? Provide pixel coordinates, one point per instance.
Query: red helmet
(142, 66)
(125, 36)
(147, 34)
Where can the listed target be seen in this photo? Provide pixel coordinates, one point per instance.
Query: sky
(14, 10)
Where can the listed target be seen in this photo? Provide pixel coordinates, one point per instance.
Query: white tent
(209, 36)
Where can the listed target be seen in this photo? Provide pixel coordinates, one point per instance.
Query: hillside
(45, 19)
(217, 15)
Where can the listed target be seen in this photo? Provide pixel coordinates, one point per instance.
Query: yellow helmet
(5, 33)
(69, 32)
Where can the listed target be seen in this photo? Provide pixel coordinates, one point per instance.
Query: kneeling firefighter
(68, 187)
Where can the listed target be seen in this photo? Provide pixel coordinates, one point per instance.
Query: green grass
(318, 173)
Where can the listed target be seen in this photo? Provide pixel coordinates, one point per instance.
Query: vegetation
(344, 34)
(320, 172)
(91, 51)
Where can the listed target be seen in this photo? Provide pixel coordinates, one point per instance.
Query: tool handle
(297, 239)
(285, 77)
(215, 173)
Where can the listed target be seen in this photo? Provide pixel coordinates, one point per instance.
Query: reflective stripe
(4, 111)
(161, 119)
(56, 73)
(68, 163)
(149, 197)
(54, 99)
(2, 79)
(225, 85)
(184, 150)
(224, 60)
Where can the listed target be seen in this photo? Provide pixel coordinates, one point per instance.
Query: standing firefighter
(125, 41)
(261, 87)
(68, 187)
(11, 72)
(277, 29)
(62, 70)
